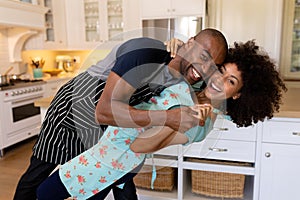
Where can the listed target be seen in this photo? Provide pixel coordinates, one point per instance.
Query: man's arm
(157, 138)
(113, 109)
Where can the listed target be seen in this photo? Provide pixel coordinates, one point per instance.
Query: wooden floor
(12, 165)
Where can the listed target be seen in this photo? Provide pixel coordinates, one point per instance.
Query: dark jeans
(53, 188)
(38, 171)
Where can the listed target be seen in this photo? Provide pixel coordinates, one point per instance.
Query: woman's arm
(157, 138)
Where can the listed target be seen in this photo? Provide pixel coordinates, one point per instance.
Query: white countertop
(60, 76)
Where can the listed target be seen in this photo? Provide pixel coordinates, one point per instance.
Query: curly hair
(261, 94)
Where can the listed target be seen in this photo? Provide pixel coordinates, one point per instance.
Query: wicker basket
(165, 178)
(218, 184)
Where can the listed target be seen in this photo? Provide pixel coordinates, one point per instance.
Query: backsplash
(48, 55)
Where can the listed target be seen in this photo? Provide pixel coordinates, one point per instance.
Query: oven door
(21, 113)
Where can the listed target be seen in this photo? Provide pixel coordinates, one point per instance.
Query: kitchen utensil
(4, 79)
(37, 73)
(8, 70)
(52, 72)
(66, 63)
(14, 77)
(38, 62)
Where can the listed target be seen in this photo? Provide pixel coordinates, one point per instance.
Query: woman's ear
(236, 96)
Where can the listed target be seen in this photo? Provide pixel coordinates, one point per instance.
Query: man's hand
(172, 46)
(182, 119)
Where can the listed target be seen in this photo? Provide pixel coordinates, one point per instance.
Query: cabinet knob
(268, 154)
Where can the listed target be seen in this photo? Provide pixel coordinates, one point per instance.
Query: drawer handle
(220, 129)
(296, 133)
(217, 149)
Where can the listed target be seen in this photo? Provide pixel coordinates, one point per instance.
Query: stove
(19, 83)
(19, 118)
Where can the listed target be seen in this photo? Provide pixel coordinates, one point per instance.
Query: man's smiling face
(198, 59)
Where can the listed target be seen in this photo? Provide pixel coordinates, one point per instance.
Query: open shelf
(188, 194)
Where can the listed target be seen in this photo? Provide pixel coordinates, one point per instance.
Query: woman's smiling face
(225, 84)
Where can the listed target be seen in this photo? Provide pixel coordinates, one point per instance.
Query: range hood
(22, 20)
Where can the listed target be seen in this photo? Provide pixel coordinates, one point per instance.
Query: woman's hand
(203, 111)
(172, 46)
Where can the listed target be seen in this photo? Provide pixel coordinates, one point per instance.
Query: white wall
(242, 20)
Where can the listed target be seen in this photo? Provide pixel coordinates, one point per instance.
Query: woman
(248, 82)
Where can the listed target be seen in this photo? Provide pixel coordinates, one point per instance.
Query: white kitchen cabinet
(280, 161)
(87, 24)
(91, 23)
(165, 19)
(225, 142)
(280, 176)
(160, 9)
(55, 33)
(247, 20)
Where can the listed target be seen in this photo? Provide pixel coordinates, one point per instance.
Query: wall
(242, 20)
(86, 58)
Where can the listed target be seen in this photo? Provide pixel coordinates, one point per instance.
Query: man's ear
(236, 96)
(191, 39)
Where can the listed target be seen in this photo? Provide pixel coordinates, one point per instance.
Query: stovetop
(14, 84)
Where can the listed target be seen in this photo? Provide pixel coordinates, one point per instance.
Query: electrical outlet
(77, 59)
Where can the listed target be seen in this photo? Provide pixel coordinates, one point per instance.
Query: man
(70, 127)
(113, 108)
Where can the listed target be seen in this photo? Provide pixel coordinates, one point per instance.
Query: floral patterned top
(111, 158)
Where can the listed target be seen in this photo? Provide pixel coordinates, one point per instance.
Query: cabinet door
(83, 24)
(280, 177)
(155, 9)
(55, 33)
(188, 7)
(75, 24)
(91, 23)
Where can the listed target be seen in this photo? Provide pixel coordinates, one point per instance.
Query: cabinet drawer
(225, 129)
(53, 85)
(222, 150)
(170, 151)
(287, 132)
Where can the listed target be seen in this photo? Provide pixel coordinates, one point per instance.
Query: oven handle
(20, 102)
